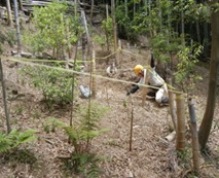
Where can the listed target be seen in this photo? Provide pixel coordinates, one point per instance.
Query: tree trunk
(18, 34)
(4, 98)
(114, 27)
(180, 133)
(206, 124)
(9, 13)
(92, 10)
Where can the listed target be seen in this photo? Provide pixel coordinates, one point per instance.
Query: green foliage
(55, 85)
(6, 36)
(85, 163)
(14, 139)
(107, 26)
(55, 28)
(127, 23)
(99, 39)
(188, 56)
(80, 135)
(164, 44)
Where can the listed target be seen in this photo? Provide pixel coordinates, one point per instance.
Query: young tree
(206, 124)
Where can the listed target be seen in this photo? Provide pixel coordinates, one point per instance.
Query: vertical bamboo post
(145, 89)
(107, 12)
(73, 85)
(172, 105)
(107, 35)
(180, 106)
(17, 24)
(195, 143)
(120, 50)
(131, 125)
(114, 27)
(4, 99)
(9, 13)
(93, 71)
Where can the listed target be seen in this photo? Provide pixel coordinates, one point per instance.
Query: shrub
(56, 86)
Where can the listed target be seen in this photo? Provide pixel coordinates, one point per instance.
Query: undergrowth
(85, 129)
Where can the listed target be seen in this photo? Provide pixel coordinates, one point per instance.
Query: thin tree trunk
(131, 125)
(198, 32)
(73, 86)
(17, 23)
(4, 98)
(114, 27)
(83, 16)
(206, 124)
(93, 71)
(126, 8)
(107, 35)
(9, 12)
(92, 10)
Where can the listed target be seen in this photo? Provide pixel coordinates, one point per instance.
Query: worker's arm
(134, 88)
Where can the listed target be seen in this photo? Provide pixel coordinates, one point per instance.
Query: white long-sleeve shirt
(154, 78)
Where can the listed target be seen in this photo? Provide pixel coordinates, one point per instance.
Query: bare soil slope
(151, 157)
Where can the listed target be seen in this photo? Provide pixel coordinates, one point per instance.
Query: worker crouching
(150, 77)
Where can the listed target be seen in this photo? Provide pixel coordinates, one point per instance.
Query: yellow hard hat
(138, 69)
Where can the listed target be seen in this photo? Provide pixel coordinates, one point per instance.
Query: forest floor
(152, 156)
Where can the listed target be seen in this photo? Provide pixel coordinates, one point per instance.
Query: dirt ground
(152, 156)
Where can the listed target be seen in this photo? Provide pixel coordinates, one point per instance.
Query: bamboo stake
(9, 13)
(17, 24)
(114, 27)
(93, 71)
(73, 86)
(131, 125)
(195, 143)
(107, 35)
(172, 106)
(4, 99)
(120, 50)
(145, 88)
(180, 141)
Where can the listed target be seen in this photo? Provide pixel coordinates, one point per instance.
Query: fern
(80, 134)
(14, 139)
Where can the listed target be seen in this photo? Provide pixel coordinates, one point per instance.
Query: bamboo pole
(144, 94)
(9, 13)
(172, 106)
(180, 141)
(131, 125)
(195, 143)
(107, 35)
(114, 27)
(73, 86)
(93, 71)
(4, 99)
(17, 24)
(120, 51)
